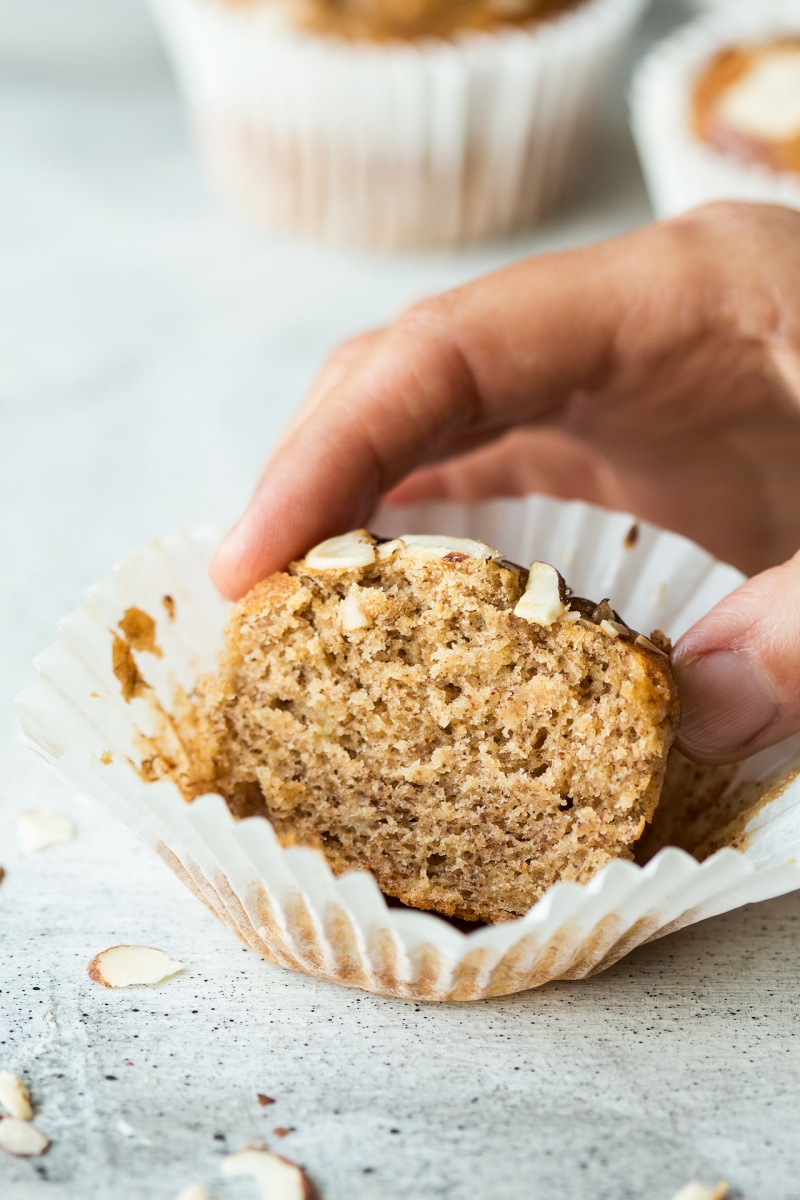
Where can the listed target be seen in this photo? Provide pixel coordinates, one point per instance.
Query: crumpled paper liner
(682, 171)
(284, 902)
(429, 142)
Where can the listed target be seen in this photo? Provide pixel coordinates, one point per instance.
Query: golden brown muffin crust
(385, 20)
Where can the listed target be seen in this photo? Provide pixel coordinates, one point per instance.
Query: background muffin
(746, 103)
(716, 110)
(395, 124)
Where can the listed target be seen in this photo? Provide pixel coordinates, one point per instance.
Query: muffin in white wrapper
(107, 684)
(682, 170)
(400, 143)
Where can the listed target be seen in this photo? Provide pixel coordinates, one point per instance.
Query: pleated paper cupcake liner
(284, 902)
(681, 170)
(407, 143)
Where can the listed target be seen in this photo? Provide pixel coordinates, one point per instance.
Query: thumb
(738, 670)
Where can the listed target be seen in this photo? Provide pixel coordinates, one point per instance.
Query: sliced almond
(354, 549)
(641, 640)
(124, 966)
(40, 828)
(698, 1191)
(193, 1192)
(15, 1097)
(542, 602)
(440, 546)
(614, 628)
(22, 1138)
(278, 1178)
(387, 549)
(352, 614)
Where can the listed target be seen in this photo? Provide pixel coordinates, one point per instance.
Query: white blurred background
(152, 345)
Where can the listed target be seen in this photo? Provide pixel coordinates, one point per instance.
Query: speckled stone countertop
(151, 348)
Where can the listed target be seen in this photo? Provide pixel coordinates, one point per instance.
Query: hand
(658, 373)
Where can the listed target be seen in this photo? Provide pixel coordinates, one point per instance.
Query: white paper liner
(418, 143)
(682, 171)
(285, 903)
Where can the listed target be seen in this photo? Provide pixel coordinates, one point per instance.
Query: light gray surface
(150, 350)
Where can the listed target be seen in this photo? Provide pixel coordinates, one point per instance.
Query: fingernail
(726, 702)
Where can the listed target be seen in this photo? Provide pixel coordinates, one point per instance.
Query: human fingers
(524, 461)
(439, 379)
(738, 670)
(660, 351)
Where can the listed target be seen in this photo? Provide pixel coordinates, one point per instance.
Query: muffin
(97, 718)
(746, 103)
(393, 123)
(467, 730)
(716, 111)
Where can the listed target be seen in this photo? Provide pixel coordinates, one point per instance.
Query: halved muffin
(463, 728)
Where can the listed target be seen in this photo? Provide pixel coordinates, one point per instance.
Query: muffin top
(746, 103)
(382, 20)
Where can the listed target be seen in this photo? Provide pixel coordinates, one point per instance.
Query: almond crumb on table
(127, 966)
(21, 1138)
(14, 1096)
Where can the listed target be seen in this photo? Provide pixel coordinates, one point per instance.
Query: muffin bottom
(395, 205)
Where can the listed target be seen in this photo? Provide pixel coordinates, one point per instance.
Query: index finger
(453, 372)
